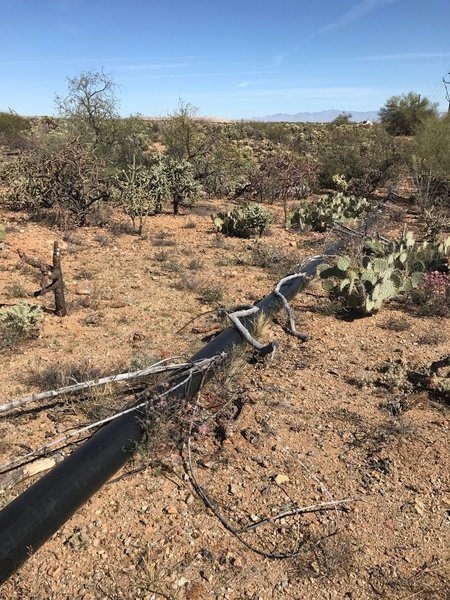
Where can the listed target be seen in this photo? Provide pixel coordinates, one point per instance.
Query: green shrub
(15, 290)
(321, 215)
(251, 219)
(367, 157)
(402, 115)
(210, 294)
(18, 323)
(12, 129)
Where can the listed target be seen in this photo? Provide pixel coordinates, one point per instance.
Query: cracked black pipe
(29, 520)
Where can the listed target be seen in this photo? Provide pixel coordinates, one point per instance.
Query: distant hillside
(324, 116)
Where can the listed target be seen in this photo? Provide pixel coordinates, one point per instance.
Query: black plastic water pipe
(29, 520)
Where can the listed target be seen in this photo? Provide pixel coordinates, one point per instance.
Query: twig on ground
(299, 511)
(228, 526)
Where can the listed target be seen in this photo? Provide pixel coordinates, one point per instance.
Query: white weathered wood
(158, 367)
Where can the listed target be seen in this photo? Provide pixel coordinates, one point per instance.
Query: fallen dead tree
(29, 520)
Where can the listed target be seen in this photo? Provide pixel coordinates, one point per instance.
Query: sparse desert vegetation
(355, 418)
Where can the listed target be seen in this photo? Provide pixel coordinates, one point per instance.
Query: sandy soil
(309, 426)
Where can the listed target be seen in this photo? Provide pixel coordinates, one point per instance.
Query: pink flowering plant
(433, 296)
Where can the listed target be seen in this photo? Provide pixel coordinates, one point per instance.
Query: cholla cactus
(250, 219)
(340, 183)
(20, 322)
(321, 215)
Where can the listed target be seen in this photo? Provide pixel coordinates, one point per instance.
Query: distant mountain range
(324, 116)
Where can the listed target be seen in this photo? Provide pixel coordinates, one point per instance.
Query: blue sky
(235, 59)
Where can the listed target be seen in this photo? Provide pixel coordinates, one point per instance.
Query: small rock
(171, 510)
(182, 582)
(419, 506)
(280, 479)
(233, 489)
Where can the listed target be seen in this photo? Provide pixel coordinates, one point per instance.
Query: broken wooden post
(52, 272)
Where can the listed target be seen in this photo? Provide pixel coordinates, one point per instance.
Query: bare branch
(201, 366)
(234, 317)
(77, 387)
(298, 511)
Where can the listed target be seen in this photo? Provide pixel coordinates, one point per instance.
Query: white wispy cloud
(243, 84)
(356, 12)
(141, 63)
(198, 74)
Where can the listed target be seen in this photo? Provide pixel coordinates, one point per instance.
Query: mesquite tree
(91, 103)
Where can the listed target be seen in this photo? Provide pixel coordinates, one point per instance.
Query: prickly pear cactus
(386, 270)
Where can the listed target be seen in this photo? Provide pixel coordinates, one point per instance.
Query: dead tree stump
(52, 273)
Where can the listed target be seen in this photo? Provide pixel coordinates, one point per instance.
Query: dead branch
(34, 468)
(149, 402)
(155, 369)
(291, 322)
(439, 364)
(263, 349)
(228, 526)
(52, 272)
(298, 511)
(344, 230)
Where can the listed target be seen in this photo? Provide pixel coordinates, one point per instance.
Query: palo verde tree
(401, 115)
(91, 104)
